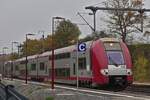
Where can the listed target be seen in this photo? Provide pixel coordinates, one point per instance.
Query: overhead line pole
(52, 60)
(77, 64)
(4, 55)
(26, 58)
(43, 47)
(53, 54)
(26, 62)
(121, 9)
(141, 11)
(12, 59)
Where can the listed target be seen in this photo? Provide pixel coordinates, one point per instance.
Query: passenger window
(74, 69)
(62, 72)
(46, 68)
(82, 63)
(33, 67)
(42, 66)
(16, 68)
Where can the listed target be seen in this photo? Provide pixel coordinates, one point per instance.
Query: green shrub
(141, 69)
(140, 54)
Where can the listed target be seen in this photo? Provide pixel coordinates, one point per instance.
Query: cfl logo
(81, 47)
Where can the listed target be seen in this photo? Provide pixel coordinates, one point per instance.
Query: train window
(112, 46)
(56, 56)
(50, 72)
(67, 72)
(82, 63)
(74, 69)
(22, 62)
(16, 67)
(46, 68)
(62, 56)
(62, 72)
(33, 67)
(42, 66)
(50, 57)
(67, 55)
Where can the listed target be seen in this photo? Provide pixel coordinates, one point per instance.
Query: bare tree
(124, 22)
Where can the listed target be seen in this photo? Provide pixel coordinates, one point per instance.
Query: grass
(49, 98)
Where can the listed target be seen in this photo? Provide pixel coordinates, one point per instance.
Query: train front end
(111, 62)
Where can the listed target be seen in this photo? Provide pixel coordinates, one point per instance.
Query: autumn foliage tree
(65, 33)
(33, 47)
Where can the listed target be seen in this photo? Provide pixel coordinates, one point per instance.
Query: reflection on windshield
(115, 57)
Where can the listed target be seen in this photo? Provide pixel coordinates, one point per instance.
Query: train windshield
(115, 57)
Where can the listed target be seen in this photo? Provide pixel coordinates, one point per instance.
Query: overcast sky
(18, 17)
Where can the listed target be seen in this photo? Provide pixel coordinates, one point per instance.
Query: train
(105, 61)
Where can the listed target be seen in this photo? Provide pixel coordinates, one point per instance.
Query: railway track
(133, 89)
(138, 89)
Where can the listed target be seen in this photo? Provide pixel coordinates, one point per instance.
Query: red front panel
(127, 56)
(99, 61)
(128, 60)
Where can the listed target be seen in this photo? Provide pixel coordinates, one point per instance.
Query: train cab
(111, 62)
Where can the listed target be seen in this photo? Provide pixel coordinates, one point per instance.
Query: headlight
(104, 72)
(129, 72)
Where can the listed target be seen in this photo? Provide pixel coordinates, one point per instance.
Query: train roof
(8, 62)
(57, 51)
(110, 39)
(67, 49)
(29, 57)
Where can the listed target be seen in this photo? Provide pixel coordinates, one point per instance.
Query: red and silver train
(105, 61)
